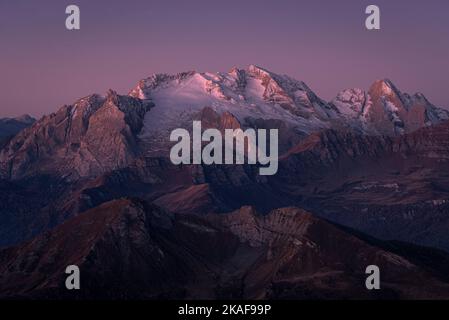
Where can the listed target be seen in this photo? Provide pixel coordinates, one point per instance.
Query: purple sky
(324, 43)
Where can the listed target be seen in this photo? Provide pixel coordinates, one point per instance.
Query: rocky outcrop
(128, 249)
(392, 188)
(92, 136)
(375, 161)
(384, 110)
(98, 134)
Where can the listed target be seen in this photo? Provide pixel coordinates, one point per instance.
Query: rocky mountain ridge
(128, 249)
(98, 134)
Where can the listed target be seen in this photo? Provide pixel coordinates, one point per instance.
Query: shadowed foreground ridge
(127, 248)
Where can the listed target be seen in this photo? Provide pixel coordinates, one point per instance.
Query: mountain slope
(129, 249)
(94, 135)
(384, 110)
(392, 188)
(334, 161)
(256, 93)
(97, 134)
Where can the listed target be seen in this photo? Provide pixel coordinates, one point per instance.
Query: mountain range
(363, 179)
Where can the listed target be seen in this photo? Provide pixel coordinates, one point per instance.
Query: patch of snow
(176, 102)
(392, 111)
(350, 103)
(74, 111)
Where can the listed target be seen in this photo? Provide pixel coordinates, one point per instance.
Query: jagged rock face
(344, 176)
(384, 110)
(92, 136)
(374, 160)
(248, 95)
(392, 188)
(353, 105)
(332, 146)
(129, 249)
(429, 143)
(98, 134)
(292, 95)
(211, 119)
(255, 93)
(388, 113)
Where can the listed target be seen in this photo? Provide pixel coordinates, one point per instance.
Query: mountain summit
(256, 93)
(92, 185)
(97, 134)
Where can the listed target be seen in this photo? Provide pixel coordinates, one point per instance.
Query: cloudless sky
(323, 43)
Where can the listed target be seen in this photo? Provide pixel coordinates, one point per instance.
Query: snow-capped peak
(257, 93)
(350, 102)
(251, 93)
(257, 71)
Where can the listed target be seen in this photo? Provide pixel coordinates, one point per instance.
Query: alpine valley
(362, 180)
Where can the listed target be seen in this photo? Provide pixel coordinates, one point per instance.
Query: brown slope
(92, 136)
(128, 249)
(392, 188)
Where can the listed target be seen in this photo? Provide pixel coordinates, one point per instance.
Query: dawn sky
(323, 43)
